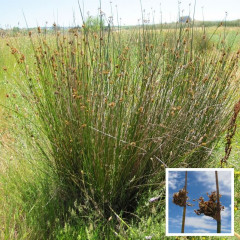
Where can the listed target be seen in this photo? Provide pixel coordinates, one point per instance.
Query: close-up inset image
(199, 202)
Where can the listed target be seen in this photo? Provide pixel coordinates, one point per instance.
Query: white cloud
(201, 223)
(176, 221)
(200, 231)
(225, 230)
(207, 178)
(175, 180)
(172, 180)
(226, 223)
(226, 213)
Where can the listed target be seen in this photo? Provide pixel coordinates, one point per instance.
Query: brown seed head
(141, 109)
(133, 144)
(13, 50)
(112, 104)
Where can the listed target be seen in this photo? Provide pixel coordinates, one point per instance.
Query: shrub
(94, 24)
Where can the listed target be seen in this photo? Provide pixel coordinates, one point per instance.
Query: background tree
(94, 24)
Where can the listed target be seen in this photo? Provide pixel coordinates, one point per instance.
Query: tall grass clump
(108, 110)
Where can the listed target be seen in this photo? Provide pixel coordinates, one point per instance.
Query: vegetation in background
(94, 24)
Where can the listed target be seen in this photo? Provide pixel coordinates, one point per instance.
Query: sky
(198, 184)
(63, 12)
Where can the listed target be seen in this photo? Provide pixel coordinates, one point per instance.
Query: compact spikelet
(180, 197)
(209, 208)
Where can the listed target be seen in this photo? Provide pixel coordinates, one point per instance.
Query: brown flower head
(209, 208)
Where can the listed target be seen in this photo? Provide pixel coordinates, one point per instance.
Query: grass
(94, 118)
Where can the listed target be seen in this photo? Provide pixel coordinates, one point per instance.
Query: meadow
(90, 118)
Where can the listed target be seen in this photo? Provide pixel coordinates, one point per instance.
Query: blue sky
(38, 12)
(198, 184)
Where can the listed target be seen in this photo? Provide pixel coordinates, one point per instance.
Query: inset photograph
(199, 202)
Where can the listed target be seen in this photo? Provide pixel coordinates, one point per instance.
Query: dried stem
(231, 132)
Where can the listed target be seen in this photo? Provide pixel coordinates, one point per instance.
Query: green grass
(92, 119)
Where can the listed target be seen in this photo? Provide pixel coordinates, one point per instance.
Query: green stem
(218, 205)
(185, 204)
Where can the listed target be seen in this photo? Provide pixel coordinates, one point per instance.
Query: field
(90, 118)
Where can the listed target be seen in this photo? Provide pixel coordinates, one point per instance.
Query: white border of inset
(232, 201)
